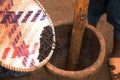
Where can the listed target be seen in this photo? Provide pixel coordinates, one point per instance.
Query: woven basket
(22, 27)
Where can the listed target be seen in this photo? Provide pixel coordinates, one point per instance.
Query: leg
(116, 48)
(95, 10)
(8, 73)
(113, 17)
(2, 69)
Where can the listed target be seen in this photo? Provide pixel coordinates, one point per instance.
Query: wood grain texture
(80, 14)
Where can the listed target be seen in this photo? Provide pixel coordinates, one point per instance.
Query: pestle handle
(80, 13)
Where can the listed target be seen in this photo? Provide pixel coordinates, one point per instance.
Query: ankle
(116, 48)
(116, 55)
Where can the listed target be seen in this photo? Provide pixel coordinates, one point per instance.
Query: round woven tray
(27, 36)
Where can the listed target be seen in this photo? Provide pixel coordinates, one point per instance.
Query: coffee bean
(46, 42)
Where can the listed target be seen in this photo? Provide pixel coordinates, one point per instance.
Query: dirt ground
(61, 12)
